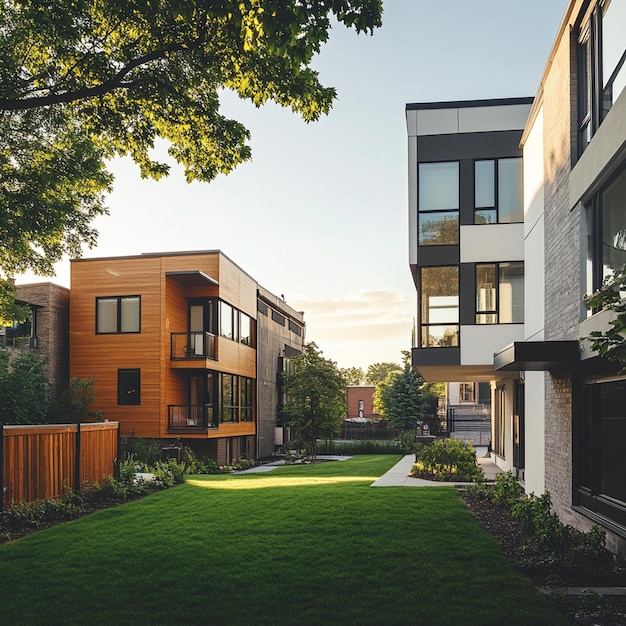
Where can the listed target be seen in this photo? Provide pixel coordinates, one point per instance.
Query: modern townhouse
(182, 345)
(466, 239)
(559, 410)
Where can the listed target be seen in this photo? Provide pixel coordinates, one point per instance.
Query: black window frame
(595, 215)
(498, 282)
(593, 445)
(443, 212)
(496, 191)
(119, 300)
(593, 105)
(125, 384)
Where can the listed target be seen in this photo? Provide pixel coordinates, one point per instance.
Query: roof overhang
(192, 278)
(536, 356)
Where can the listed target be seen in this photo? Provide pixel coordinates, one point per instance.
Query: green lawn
(306, 545)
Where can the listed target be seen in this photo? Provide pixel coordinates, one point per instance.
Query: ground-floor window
(599, 460)
(499, 423)
(236, 398)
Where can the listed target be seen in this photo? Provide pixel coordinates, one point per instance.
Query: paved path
(398, 476)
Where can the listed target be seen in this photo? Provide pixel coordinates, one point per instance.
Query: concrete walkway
(398, 475)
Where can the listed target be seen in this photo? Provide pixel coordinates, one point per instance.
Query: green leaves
(84, 81)
(612, 342)
(316, 394)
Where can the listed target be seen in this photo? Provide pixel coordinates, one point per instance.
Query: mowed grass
(299, 545)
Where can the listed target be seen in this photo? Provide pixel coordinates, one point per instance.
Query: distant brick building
(46, 332)
(360, 400)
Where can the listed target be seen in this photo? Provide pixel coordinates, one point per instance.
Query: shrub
(145, 451)
(506, 489)
(447, 459)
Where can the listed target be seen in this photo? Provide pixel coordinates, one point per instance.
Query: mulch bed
(587, 609)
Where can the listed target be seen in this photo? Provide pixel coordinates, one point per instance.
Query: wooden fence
(38, 462)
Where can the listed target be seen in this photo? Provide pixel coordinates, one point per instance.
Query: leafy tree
(71, 405)
(81, 82)
(378, 372)
(612, 342)
(404, 397)
(316, 396)
(24, 388)
(353, 375)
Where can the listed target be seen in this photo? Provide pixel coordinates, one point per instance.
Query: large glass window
(601, 66)
(128, 386)
(500, 293)
(236, 398)
(439, 298)
(226, 320)
(498, 192)
(599, 462)
(229, 398)
(606, 233)
(120, 314)
(438, 222)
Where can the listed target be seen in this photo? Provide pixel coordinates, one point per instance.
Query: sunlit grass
(270, 482)
(316, 545)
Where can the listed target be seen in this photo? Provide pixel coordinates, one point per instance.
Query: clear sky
(320, 214)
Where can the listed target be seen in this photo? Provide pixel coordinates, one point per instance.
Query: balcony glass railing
(188, 417)
(200, 345)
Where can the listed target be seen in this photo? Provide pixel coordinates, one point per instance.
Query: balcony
(193, 346)
(190, 418)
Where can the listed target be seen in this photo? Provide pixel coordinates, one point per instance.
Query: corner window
(120, 314)
(439, 307)
(129, 387)
(438, 222)
(601, 55)
(500, 293)
(498, 192)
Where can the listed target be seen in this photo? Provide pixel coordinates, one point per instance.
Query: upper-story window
(118, 314)
(601, 65)
(438, 222)
(439, 307)
(606, 232)
(235, 324)
(500, 293)
(498, 191)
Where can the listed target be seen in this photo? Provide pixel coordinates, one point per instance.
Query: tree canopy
(378, 372)
(81, 82)
(353, 375)
(404, 398)
(316, 393)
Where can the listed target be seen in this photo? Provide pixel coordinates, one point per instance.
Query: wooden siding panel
(101, 356)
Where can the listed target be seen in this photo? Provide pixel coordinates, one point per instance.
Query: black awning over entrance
(536, 356)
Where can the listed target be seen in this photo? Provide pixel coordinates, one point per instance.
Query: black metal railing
(191, 417)
(197, 345)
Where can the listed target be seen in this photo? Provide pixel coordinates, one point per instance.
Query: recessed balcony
(190, 418)
(193, 346)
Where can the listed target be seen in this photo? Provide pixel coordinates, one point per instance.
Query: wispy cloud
(373, 315)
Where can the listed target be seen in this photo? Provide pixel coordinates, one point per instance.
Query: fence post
(117, 455)
(1, 467)
(77, 460)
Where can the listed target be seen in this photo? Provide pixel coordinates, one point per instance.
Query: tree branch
(115, 82)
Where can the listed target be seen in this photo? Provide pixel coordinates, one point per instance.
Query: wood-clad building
(170, 340)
